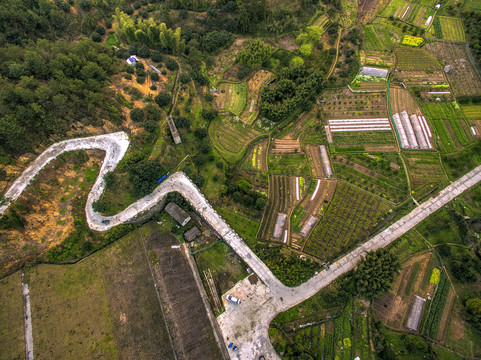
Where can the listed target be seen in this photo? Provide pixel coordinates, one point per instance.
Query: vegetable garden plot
(351, 216)
(472, 112)
(462, 76)
(254, 86)
(361, 140)
(257, 159)
(232, 97)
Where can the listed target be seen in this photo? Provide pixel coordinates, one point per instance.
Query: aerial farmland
(291, 138)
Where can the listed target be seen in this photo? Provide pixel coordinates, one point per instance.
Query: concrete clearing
(28, 322)
(247, 323)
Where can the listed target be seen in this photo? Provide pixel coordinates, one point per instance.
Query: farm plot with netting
(426, 172)
(408, 58)
(231, 97)
(449, 28)
(352, 215)
(231, 137)
(462, 75)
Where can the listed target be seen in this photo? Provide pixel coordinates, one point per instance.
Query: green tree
(163, 99)
(376, 272)
(254, 54)
(137, 115)
(473, 306)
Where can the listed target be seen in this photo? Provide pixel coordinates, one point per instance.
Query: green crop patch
(408, 58)
(362, 140)
(232, 97)
(426, 172)
(472, 112)
(295, 164)
(450, 28)
(351, 216)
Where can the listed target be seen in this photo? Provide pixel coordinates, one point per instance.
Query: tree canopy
(254, 54)
(376, 272)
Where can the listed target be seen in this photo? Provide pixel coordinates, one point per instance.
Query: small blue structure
(162, 178)
(132, 59)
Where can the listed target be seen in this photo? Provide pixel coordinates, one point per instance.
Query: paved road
(255, 336)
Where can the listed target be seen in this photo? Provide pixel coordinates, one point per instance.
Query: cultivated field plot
(449, 28)
(383, 59)
(315, 161)
(257, 159)
(382, 175)
(11, 312)
(322, 21)
(292, 164)
(285, 146)
(295, 129)
(461, 337)
(410, 12)
(187, 317)
(449, 124)
(419, 276)
(351, 216)
(364, 141)
(426, 172)
(408, 58)
(472, 112)
(306, 215)
(254, 86)
(402, 100)
(342, 104)
(231, 97)
(103, 307)
(431, 84)
(282, 197)
(231, 137)
(462, 75)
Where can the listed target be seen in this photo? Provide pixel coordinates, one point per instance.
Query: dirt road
(254, 338)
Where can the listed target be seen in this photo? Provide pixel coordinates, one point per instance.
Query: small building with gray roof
(177, 213)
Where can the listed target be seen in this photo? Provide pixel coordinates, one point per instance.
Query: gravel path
(253, 338)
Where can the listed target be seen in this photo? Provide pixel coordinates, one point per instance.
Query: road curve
(116, 144)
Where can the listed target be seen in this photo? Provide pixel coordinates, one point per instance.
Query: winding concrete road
(246, 324)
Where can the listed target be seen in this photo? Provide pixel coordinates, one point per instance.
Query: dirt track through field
(184, 309)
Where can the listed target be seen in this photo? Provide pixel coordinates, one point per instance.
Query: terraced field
(232, 97)
(231, 137)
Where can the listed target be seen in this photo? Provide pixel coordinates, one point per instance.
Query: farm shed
(191, 234)
(372, 71)
(173, 130)
(132, 59)
(415, 313)
(326, 165)
(155, 69)
(279, 225)
(448, 69)
(177, 213)
(306, 229)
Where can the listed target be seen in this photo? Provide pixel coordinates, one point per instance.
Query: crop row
(437, 307)
(447, 143)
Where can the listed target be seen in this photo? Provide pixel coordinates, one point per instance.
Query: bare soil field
(12, 336)
(367, 9)
(46, 207)
(315, 160)
(393, 308)
(102, 307)
(464, 79)
(254, 86)
(285, 146)
(346, 104)
(189, 324)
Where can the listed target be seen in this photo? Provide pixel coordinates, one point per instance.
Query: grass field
(377, 37)
(426, 172)
(231, 137)
(247, 228)
(232, 97)
(363, 140)
(104, 306)
(11, 312)
(408, 58)
(472, 5)
(441, 227)
(351, 216)
(472, 112)
(295, 164)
